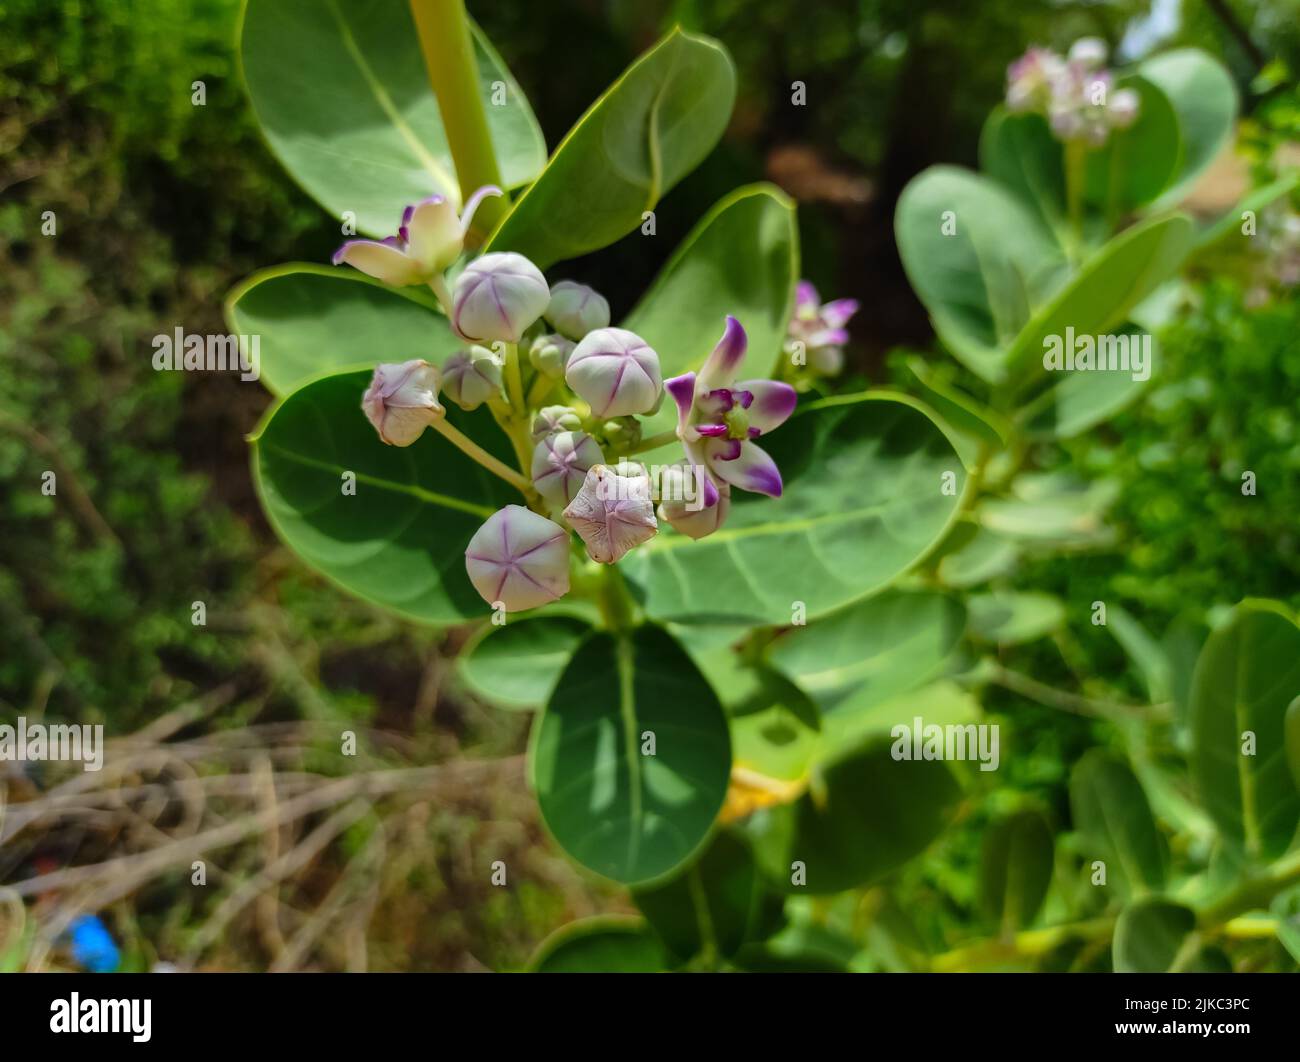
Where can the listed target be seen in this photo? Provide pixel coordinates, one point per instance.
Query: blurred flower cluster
(1075, 93)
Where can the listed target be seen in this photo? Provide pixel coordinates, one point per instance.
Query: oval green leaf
(872, 650)
(1246, 676)
(1010, 618)
(711, 906)
(1111, 812)
(1015, 869)
(1157, 936)
(400, 540)
(311, 320)
(518, 665)
(864, 500)
(649, 130)
(979, 259)
(621, 812)
(871, 814)
(606, 944)
(341, 91)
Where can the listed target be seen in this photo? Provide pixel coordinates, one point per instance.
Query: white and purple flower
(613, 511)
(497, 298)
(820, 327)
(402, 400)
(718, 420)
(519, 559)
(560, 464)
(430, 238)
(616, 372)
(1075, 94)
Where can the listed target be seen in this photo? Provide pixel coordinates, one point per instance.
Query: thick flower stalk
(1075, 94)
(718, 419)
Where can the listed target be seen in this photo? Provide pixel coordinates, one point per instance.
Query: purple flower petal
(721, 367)
(751, 469)
(773, 403)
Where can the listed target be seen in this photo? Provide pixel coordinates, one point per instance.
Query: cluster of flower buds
(587, 384)
(1075, 93)
(818, 331)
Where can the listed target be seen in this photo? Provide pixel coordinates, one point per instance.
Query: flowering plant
(723, 589)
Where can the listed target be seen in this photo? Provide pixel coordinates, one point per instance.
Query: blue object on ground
(92, 946)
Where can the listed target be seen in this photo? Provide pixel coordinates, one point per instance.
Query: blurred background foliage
(161, 206)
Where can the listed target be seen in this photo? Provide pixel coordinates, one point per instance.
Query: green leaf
(312, 320)
(1020, 151)
(1230, 224)
(1110, 811)
(974, 429)
(630, 816)
(776, 730)
(605, 944)
(1106, 288)
(982, 283)
(982, 556)
(518, 665)
(1051, 508)
(871, 814)
(1143, 650)
(1204, 99)
(1285, 910)
(873, 649)
(1084, 398)
(400, 541)
(863, 502)
(742, 259)
(1138, 163)
(341, 92)
(653, 126)
(1157, 936)
(710, 907)
(861, 718)
(1247, 674)
(1292, 731)
(1010, 618)
(1015, 869)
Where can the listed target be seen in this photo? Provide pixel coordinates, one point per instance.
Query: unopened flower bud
(497, 297)
(615, 372)
(1089, 52)
(519, 559)
(553, 419)
(471, 377)
(1123, 108)
(613, 512)
(548, 355)
(560, 464)
(622, 433)
(576, 309)
(402, 400)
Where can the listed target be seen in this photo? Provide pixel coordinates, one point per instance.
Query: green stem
(1076, 161)
(468, 446)
(515, 380)
(443, 28)
(617, 608)
(653, 442)
(540, 389)
(439, 285)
